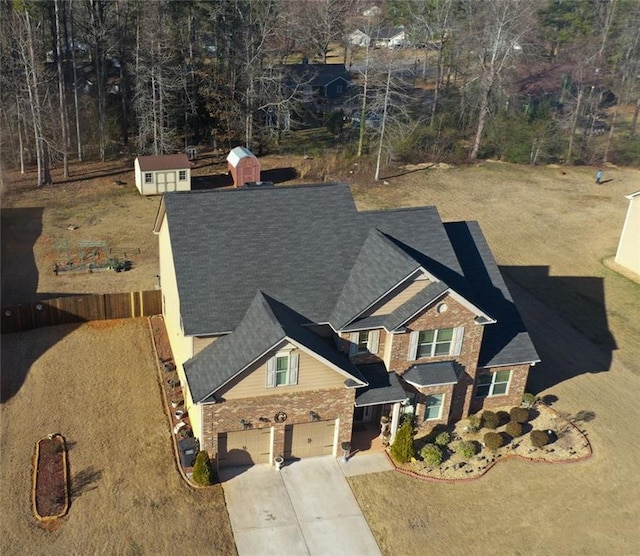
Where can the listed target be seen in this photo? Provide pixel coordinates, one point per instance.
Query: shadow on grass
(84, 481)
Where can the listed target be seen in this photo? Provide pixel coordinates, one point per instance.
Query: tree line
(96, 78)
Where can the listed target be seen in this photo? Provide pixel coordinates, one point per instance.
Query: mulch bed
(50, 489)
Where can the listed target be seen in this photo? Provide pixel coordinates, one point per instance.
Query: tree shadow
(84, 481)
(412, 171)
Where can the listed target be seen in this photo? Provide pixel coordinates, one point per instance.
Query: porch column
(395, 420)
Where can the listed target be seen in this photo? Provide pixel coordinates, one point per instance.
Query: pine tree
(402, 447)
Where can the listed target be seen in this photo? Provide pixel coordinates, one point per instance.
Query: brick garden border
(505, 457)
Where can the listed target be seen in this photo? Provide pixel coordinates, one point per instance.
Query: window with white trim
(434, 343)
(148, 177)
(182, 175)
(433, 407)
(493, 384)
(365, 341)
(282, 369)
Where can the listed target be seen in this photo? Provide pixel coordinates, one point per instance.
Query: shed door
(166, 181)
(244, 447)
(305, 440)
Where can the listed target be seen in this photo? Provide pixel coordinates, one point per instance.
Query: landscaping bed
(50, 481)
(563, 442)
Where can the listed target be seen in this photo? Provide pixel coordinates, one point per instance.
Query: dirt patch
(50, 477)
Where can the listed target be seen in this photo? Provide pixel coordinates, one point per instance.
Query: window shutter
(353, 346)
(413, 346)
(293, 368)
(458, 333)
(271, 373)
(374, 338)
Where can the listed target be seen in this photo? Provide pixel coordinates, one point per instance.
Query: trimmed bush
(513, 429)
(402, 447)
(528, 400)
(490, 420)
(474, 423)
(202, 469)
(466, 449)
(443, 439)
(493, 440)
(539, 438)
(519, 414)
(431, 454)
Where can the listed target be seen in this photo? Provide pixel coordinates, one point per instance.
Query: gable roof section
(163, 162)
(412, 306)
(507, 341)
(432, 374)
(265, 324)
(238, 153)
(378, 268)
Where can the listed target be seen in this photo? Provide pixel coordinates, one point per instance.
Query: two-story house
(292, 316)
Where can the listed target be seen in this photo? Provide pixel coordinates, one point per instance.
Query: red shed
(244, 166)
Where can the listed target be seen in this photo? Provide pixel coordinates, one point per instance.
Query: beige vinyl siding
(201, 342)
(181, 345)
(312, 375)
(398, 296)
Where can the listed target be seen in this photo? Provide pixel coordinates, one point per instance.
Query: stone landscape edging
(65, 508)
(505, 457)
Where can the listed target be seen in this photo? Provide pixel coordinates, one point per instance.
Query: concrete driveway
(306, 508)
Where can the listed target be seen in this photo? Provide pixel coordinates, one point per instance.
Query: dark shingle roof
(410, 307)
(384, 387)
(432, 374)
(506, 342)
(379, 266)
(298, 244)
(265, 324)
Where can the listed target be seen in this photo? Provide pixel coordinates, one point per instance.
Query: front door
(363, 414)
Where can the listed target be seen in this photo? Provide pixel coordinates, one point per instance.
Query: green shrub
(539, 438)
(490, 420)
(513, 429)
(202, 469)
(402, 447)
(528, 399)
(431, 454)
(474, 423)
(493, 440)
(443, 439)
(466, 449)
(519, 414)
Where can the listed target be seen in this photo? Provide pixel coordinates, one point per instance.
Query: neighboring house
(325, 81)
(243, 166)
(162, 174)
(628, 254)
(293, 317)
(386, 37)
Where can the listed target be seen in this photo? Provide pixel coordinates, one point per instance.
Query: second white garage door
(244, 447)
(305, 440)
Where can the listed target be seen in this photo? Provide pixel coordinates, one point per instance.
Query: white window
(433, 407)
(434, 343)
(493, 384)
(148, 177)
(365, 341)
(282, 370)
(182, 175)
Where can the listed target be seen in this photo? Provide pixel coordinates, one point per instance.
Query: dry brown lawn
(550, 229)
(97, 385)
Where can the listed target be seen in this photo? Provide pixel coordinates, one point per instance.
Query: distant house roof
(326, 261)
(238, 153)
(316, 75)
(163, 162)
(387, 33)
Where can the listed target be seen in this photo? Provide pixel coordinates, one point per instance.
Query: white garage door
(244, 447)
(305, 440)
(166, 181)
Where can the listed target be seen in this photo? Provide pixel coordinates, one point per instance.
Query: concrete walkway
(307, 508)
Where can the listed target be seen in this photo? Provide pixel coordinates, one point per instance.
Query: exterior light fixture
(313, 416)
(245, 424)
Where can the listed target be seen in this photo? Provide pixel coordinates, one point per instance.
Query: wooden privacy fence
(80, 308)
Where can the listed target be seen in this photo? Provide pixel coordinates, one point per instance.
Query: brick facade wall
(328, 404)
(513, 397)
